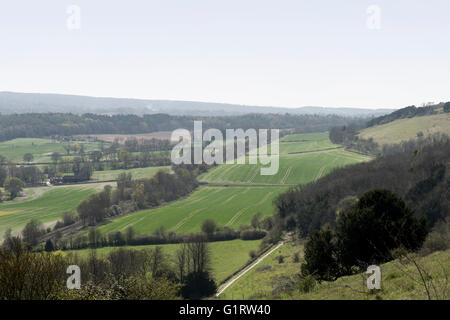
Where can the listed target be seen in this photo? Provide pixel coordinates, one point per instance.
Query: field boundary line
(318, 150)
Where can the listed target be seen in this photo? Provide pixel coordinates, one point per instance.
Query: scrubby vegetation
(122, 274)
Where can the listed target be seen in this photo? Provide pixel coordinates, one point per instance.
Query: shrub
(321, 256)
(209, 226)
(438, 239)
(306, 283)
(198, 285)
(14, 186)
(379, 222)
(367, 233)
(252, 234)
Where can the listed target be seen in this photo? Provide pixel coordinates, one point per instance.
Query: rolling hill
(232, 193)
(12, 102)
(407, 128)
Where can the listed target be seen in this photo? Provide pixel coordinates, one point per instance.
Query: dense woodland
(61, 124)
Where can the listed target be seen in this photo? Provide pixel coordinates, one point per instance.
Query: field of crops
(48, 207)
(226, 256)
(235, 193)
(137, 173)
(41, 149)
(226, 206)
(303, 158)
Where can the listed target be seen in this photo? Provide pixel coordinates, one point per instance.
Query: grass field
(405, 129)
(41, 149)
(226, 256)
(226, 206)
(398, 280)
(267, 275)
(48, 207)
(303, 158)
(136, 173)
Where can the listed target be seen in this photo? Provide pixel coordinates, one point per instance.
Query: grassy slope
(48, 207)
(226, 256)
(398, 281)
(405, 129)
(263, 278)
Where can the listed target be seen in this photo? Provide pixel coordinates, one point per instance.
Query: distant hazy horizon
(213, 102)
(288, 53)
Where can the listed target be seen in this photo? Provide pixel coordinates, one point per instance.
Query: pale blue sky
(256, 52)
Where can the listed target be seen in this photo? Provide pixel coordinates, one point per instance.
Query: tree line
(65, 124)
(410, 112)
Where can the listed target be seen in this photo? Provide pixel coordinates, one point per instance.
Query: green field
(265, 276)
(41, 149)
(137, 173)
(302, 159)
(226, 256)
(235, 193)
(232, 196)
(226, 206)
(48, 207)
(405, 129)
(398, 282)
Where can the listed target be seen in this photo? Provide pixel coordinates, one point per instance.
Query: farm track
(248, 268)
(319, 174)
(253, 175)
(286, 175)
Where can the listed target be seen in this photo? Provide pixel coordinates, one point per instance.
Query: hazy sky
(256, 52)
